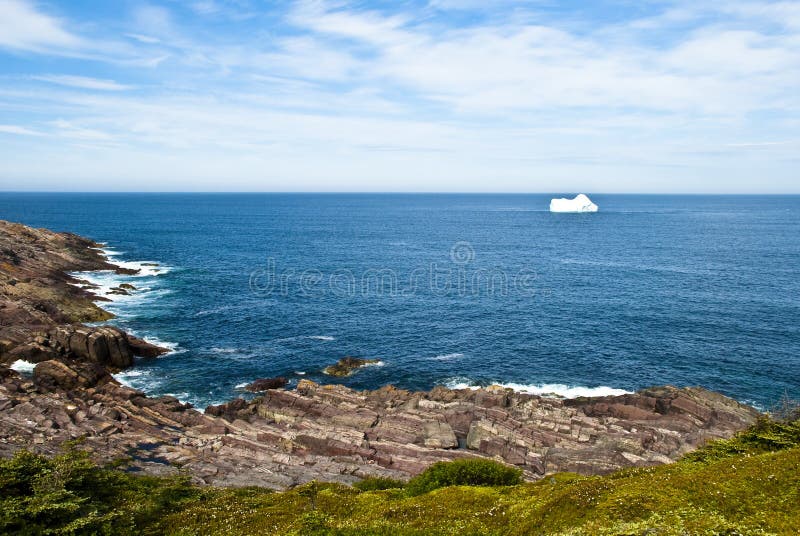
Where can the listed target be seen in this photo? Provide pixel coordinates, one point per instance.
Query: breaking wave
(555, 390)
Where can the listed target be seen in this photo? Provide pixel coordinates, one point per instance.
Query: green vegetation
(746, 485)
(69, 494)
(463, 473)
(765, 436)
(378, 483)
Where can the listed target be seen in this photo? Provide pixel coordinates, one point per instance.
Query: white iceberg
(20, 365)
(581, 203)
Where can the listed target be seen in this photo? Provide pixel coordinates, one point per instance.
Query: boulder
(54, 374)
(265, 384)
(347, 365)
(439, 435)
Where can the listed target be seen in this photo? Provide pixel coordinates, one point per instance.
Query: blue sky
(439, 95)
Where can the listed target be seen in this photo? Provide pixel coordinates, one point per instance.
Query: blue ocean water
(452, 289)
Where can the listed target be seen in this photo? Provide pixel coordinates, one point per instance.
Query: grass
(749, 484)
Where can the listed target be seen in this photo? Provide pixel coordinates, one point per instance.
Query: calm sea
(451, 289)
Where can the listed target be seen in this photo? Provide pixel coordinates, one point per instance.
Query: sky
(402, 96)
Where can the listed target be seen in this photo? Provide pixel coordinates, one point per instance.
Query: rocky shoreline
(289, 436)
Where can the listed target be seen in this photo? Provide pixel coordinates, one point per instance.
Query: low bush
(767, 435)
(378, 483)
(475, 472)
(69, 494)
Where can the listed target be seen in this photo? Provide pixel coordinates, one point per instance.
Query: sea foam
(556, 390)
(447, 357)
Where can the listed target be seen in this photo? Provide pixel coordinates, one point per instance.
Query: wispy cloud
(83, 82)
(143, 38)
(439, 95)
(18, 130)
(24, 27)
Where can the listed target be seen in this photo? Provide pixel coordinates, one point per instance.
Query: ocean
(451, 289)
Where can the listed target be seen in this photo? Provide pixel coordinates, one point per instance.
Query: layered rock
(41, 307)
(330, 432)
(286, 437)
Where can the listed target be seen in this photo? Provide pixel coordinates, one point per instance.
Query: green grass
(749, 484)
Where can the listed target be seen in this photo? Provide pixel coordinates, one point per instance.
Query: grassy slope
(747, 485)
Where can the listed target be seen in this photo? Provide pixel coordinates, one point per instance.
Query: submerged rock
(347, 365)
(265, 384)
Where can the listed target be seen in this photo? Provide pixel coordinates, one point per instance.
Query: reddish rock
(266, 384)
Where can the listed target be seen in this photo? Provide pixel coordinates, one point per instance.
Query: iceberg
(22, 366)
(581, 203)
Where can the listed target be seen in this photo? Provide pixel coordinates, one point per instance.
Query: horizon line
(368, 192)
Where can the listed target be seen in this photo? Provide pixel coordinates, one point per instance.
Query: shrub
(766, 435)
(476, 472)
(377, 483)
(70, 494)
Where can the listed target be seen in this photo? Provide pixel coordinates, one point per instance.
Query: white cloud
(23, 27)
(18, 130)
(370, 27)
(83, 82)
(495, 68)
(689, 98)
(144, 38)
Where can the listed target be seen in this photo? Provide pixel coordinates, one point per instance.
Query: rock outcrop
(265, 384)
(286, 437)
(330, 432)
(41, 307)
(347, 365)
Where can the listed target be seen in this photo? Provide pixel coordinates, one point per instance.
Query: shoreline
(281, 437)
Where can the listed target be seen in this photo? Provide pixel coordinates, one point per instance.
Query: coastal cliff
(289, 436)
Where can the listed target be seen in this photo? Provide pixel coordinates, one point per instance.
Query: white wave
(100, 283)
(214, 310)
(375, 364)
(173, 347)
(241, 385)
(557, 390)
(232, 354)
(447, 357)
(22, 366)
(224, 350)
(300, 372)
(322, 337)
(182, 397)
(145, 268)
(136, 379)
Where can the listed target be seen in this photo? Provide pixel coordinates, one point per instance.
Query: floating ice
(581, 203)
(20, 365)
